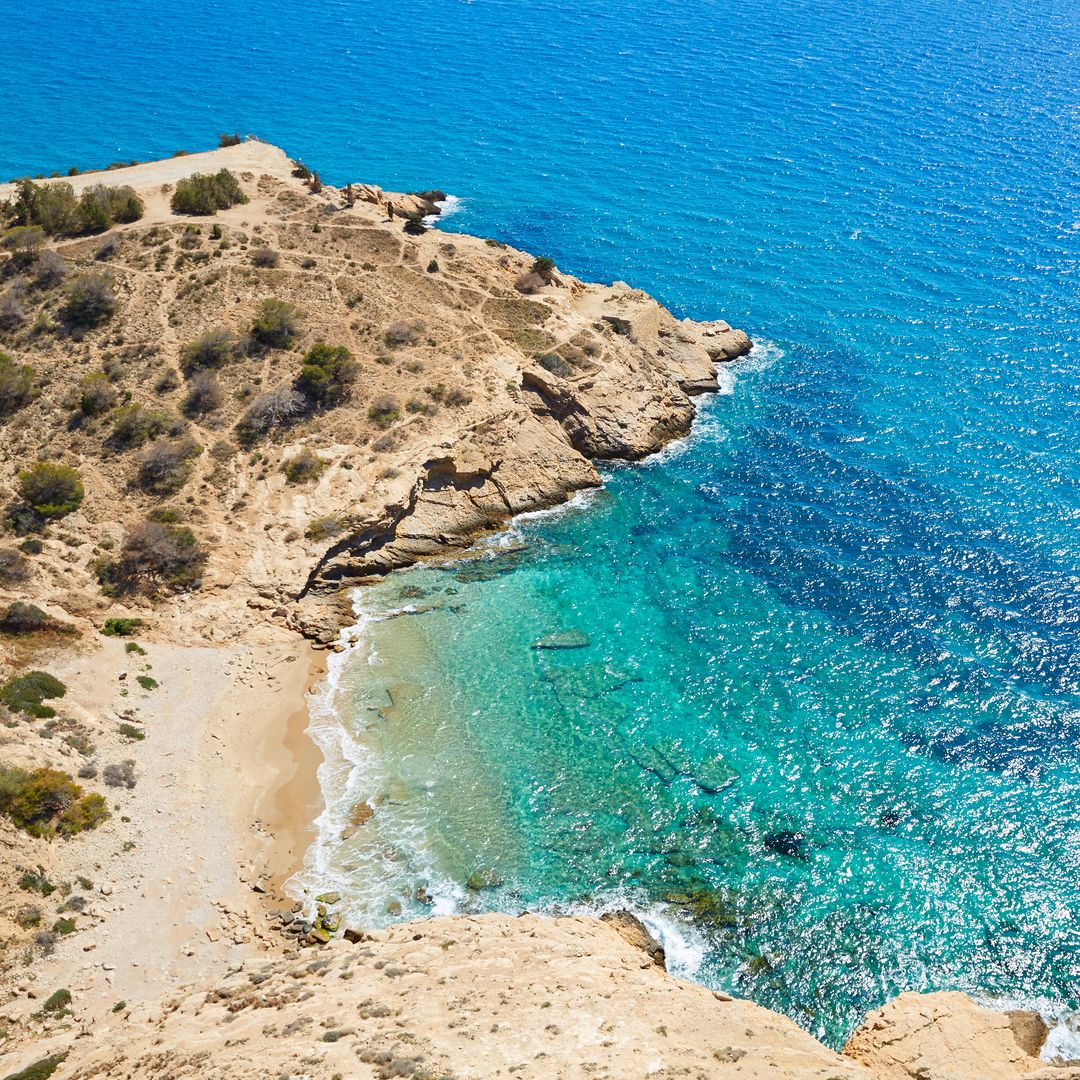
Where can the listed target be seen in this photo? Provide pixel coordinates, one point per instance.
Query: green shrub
(326, 527)
(26, 693)
(91, 300)
(24, 242)
(24, 618)
(51, 489)
(543, 267)
(53, 207)
(134, 647)
(133, 425)
(36, 881)
(96, 394)
(32, 546)
(554, 363)
(17, 386)
(276, 324)
(207, 194)
(40, 1070)
(57, 1002)
(211, 349)
(131, 732)
(47, 802)
(327, 374)
(146, 682)
(154, 556)
(102, 207)
(304, 466)
(122, 627)
(384, 411)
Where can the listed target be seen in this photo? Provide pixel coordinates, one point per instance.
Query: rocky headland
(242, 414)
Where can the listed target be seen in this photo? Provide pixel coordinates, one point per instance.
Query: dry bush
(204, 395)
(165, 465)
(275, 408)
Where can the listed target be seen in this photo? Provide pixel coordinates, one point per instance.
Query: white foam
(447, 207)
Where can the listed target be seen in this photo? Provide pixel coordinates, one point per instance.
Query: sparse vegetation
(166, 464)
(327, 374)
(272, 409)
(51, 490)
(50, 269)
(47, 802)
(554, 363)
(155, 556)
(276, 324)
(40, 1070)
(96, 394)
(304, 466)
(25, 618)
(205, 194)
(15, 567)
(17, 385)
(384, 411)
(120, 774)
(402, 333)
(91, 300)
(133, 425)
(266, 258)
(131, 732)
(203, 397)
(326, 527)
(27, 693)
(211, 349)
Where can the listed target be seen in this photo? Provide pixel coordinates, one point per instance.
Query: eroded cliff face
(494, 995)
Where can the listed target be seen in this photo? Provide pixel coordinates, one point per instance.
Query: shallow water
(827, 723)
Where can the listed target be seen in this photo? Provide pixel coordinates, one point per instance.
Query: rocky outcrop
(947, 1036)
(494, 995)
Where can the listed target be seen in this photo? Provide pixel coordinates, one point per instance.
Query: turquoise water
(827, 725)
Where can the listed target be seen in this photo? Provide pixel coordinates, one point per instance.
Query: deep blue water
(856, 593)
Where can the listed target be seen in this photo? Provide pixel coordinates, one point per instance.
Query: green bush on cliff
(26, 694)
(47, 802)
(304, 466)
(276, 324)
(206, 193)
(55, 209)
(327, 374)
(52, 490)
(91, 300)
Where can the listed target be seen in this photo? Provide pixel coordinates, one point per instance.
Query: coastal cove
(434, 643)
(613, 705)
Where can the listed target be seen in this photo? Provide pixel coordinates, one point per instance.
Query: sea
(813, 709)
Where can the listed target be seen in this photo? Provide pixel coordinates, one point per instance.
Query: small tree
(544, 267)
(91, 300)
(276, 324)
(328, 373)
(205, 194)
(414, 223)
(350, 196)
(51, 489)
(226, 139)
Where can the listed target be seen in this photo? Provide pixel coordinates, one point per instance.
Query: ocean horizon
(813, 708)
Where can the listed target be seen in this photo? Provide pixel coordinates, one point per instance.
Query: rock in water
(569, 639)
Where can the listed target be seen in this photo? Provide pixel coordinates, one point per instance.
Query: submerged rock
(787, 842)
(568, 639)
(483, 879)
